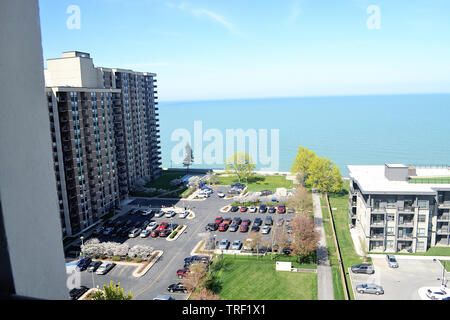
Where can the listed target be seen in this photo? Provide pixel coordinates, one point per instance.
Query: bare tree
(193, 279)
(301, 201)
(305, 236)
(281, 238)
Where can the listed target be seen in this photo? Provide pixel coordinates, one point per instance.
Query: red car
(223, 227)
(246, 222)
(243, 228)
(218, 220)
(155, 233)
(281, 208)
(244, 209)
(164, 233)
(183, 272)
(227, 221)
(163, 225)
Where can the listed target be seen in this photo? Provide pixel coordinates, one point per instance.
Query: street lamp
(82, 243)
(444, 282)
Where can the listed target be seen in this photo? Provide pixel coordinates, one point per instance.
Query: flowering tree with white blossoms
(142, 252)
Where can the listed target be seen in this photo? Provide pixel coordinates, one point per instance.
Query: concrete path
(324, 274)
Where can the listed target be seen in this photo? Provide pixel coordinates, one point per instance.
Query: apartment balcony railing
(405, 236)
(377, 235)
(406, 209)
(443, 231)
(444, 205)
(380, 210)
(406, 223)
(444, 217)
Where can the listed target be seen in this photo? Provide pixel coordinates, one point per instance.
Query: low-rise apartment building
(400, 208)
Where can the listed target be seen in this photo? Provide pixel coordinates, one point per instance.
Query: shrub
(138, 260)
(128, 259)
(173, 234)
(115, 258)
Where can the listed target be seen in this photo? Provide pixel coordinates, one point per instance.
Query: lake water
(410, 129)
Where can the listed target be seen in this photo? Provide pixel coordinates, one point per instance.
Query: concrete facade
(396, 215)
(31, 233)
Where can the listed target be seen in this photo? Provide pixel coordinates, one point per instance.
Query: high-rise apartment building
(400, 208)
(105, 136)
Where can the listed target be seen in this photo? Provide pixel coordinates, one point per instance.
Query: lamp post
(82, 243)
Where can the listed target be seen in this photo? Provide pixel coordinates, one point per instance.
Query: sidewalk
(324, 274)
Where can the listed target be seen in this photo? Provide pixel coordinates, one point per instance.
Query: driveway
(402, 283)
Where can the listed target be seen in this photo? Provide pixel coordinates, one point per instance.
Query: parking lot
(402, 283)
(163, 272)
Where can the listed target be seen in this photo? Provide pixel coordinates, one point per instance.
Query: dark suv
(83, 264)
(263, 208)
(212, 227)
(363, 268)
(76, 293)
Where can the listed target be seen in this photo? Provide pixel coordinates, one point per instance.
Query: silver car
(170, 214)
(183, 215)
(159, 214)
(391, 261)
(134, 233)
(237, 245)
(105, 267)
(224, 244)
(370, 288)
(265, 230)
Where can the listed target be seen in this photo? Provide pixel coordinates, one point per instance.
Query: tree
(205, 294)
(305, 237)
(112, 292)
(193, 279)
(256, 241)
(280, 238)
(189, 158)
(301, 201)
(241, 165)
(324, 175)
(302, 163)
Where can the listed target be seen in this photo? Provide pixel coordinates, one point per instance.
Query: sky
(237, 49)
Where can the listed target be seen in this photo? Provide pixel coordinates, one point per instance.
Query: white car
(159, 214)
(252, 209)
(221, 194)
(170, 214)
(152, 226)
(134, 233)
(183, 215)
(147, 212)
(105, 267)
(265, 230)
(437, 294)
(145, 233)
(202, 195)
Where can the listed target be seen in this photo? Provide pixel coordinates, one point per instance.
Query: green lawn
(434, 251)
(332, 253)
(163, 182)
(348, 253)
(259, 183)
(247, 278)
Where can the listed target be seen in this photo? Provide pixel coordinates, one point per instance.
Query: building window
(423, 204)
(390, 217)
(421, 231)
(422, 217)
(421, 246)
(390, 231)
(389, 244)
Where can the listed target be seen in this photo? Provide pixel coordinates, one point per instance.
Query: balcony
(444, 230)
(380, 210)
(377, 235)
(406, 209)
(377, 222)
(444, 205)
(444, 217)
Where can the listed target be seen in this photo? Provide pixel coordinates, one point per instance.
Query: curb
(178, 234)
(148, 267)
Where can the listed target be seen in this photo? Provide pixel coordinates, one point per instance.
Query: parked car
(202, 195)
(155, 233)
(116, 232)
(220, 194)
(192, 259)
(392, 262)
(243, 228)
(257, 222)
(134, 233)
(212, 227)
(163, 225)
(145, 233)
(280, 222)
(172, 226)
(263, 208)
(108, 231)
(254, 228)
(266, 193)
(177, 287)
(183, 272)
(170, 214)
(281, 208)
(363, 268)
(237, 220)
(286, 251)
(164, 233)
(234, 208)
(265, 230)
(237, 245)
(98, 231)
(105, 267)
(183, 215)
(159, 214)
(272, 210)
(243, 209)
(227, 220)
(369, 288)
(133, 211)
(163, 297)
(93, 266)
(437, 294)
(233, 227)
(218, 220)
(224, 244)
(291, 210)
(147, 212)
(152, 226)
(83, 264)
(246, 222)
(268, 221)
(223, 227)
(252, 209)
(76, 293)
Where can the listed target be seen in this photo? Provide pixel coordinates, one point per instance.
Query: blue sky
(207, 50)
